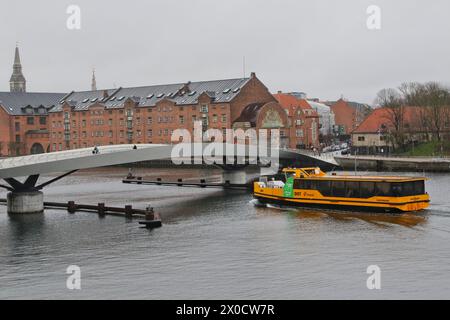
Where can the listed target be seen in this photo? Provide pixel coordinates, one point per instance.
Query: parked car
(335, 148)
(345, 151)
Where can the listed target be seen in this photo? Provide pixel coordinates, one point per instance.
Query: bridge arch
(37, 148)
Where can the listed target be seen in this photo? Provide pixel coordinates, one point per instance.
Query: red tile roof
(383, 116)
(290, 102)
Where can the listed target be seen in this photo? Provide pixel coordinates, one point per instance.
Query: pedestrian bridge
(64, 161)
(26, 196)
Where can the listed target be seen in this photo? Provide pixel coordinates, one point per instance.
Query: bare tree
(436, 100)
(433, 102)
(393, 102)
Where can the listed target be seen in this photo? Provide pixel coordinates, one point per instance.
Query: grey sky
(321, 47)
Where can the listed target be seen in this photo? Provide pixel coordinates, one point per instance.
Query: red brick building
(377, 133)
(348, 115)
(303, 119)
(150, 114)
(43, 122)
(24, 122)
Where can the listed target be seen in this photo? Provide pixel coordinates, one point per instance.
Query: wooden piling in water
(128, 211)
(101, 209)
(152, 220)
(71, 207)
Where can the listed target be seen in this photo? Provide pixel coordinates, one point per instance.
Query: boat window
(397, 189)
(408, 188)
(352, 189)
(367, 189)
(383, 189)
(306, 184)
(419, 187)
(302, 184)
(338, 188)
(324, 187)
(298, 184)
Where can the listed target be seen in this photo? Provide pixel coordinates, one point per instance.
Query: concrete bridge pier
(26, 197)
(26, 202)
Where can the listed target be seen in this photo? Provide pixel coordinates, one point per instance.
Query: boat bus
(311, 187)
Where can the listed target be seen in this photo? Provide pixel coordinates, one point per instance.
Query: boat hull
(343, 205)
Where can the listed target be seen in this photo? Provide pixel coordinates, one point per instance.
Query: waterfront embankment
(405, 164)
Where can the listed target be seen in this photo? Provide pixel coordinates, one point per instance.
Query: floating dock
(180, 183)
(151, 220)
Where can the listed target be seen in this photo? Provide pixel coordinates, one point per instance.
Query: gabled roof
(290, 102)
(382, 118)
(148, 96)
(361, 107)
(250, 113)
(81, 100)
(15, 102)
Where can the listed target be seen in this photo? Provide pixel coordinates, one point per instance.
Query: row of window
(110, 134)
(203, 108)
(167, 119)
(361, 189)
(31, 121)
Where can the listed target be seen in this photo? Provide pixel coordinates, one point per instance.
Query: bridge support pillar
(25, 202)
(235, 177)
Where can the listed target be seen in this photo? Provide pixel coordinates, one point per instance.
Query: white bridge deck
(65, 161)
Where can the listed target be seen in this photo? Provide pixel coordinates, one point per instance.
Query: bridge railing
(63, 155)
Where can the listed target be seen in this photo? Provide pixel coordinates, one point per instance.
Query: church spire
(17, 83)
(94, 82)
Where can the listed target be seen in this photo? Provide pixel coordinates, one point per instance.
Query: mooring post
(101, 209)
(128, 211)
(180, 182)
(139, 180)
(202, 182)
(71, 207)
(159, 180)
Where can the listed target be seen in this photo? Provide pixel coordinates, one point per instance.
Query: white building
(326, 117)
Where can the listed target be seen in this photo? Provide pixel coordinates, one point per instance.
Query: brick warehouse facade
(348, 115)
(150, 114)
(24, 122)
(303, 119)
(44, 122)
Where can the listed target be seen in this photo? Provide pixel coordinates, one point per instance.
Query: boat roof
(368, 178)
(320, 175)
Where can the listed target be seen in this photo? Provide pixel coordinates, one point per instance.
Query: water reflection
(408, 220)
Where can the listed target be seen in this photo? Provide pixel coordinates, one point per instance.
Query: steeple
(94, 82)
(17, 83)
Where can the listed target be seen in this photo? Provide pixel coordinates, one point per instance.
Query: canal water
(216, 244)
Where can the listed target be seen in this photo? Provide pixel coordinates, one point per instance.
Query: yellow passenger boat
(311, 187)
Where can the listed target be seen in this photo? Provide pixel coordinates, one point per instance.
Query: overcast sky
(322, 47)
